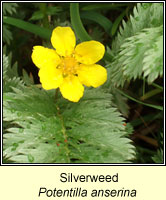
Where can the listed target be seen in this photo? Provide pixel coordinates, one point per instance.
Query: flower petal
(42, 57)
(63, 40)
(92, 75)
(50, 77)
(72, 89)
(89, 52)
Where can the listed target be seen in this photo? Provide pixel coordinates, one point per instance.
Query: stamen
(68, 66)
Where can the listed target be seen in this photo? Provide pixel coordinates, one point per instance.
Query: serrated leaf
(7, 35)
(10, 75)
(28, 79)
(90, 131)
(154, 67)
(158, 157)
(137, 41)
(143, 53)
(9, 8)
(37, 15)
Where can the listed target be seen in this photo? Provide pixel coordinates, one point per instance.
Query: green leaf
(77, 24)
(158, 157)
(46, 131)
(7, 35)
(117, 22)
(101, 6)
(98, 18)
(27, 79)
(154, 67)
(138, 48)
(40, 31)
(53, 10)
(136, 57)
(37, 15)
(9, 71)
(10, 75)
(9, 8)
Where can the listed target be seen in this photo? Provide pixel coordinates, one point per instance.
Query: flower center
(68, 66)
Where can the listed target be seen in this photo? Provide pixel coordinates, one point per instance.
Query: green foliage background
(39, 128)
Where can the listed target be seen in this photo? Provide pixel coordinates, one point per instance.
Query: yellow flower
(69, 67)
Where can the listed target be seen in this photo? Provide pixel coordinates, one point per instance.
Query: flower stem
(56, 94)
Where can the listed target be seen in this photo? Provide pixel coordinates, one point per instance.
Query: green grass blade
(145, 104)
(157, 86)
(150, 94)
(40, 31)
(117, 22)
(103, 6)
(98, 18)
(77, 24)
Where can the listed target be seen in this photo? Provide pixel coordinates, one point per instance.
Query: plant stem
(145, 104)
(157, 86)
(150, 94)
(56, 94)
(143, 92)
